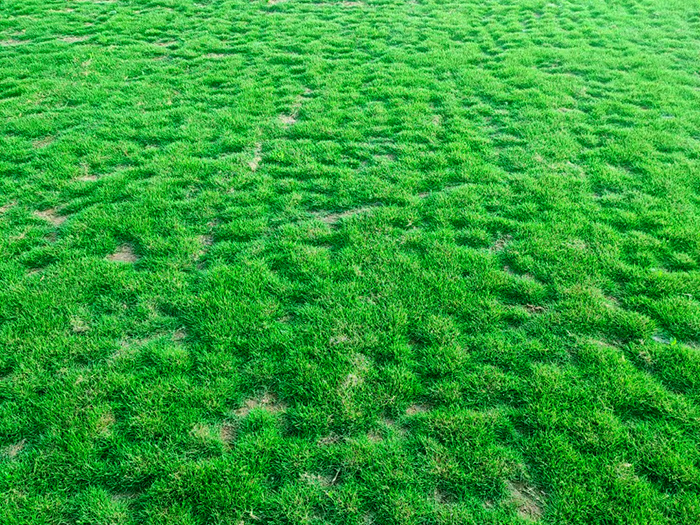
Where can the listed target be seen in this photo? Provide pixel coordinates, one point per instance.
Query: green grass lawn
(368, 262)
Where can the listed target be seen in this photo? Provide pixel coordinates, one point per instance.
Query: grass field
(368, 262)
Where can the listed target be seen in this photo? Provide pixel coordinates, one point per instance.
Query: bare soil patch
(442, 497)
(288, 120)
(335, 218)
(501, 243)
(11, 42)
(227, 433)
(533, 309)
(72, 39)
(374, 437)
(257, 157)
(125, 253)
(79, 325)
(291, 118)
(267, 402)
(529, 500)
(51, 215)
(42, 143)
(416, 409)
(320, 480)
(661, 338)
(333, 439)
(13, 451)
(104, 423)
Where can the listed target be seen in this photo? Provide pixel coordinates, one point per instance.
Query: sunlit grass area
(369, 262)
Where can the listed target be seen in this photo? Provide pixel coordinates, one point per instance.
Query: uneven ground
(390, 262)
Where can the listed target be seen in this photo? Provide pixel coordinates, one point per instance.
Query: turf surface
(390, 262)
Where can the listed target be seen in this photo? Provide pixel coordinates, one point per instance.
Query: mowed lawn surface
(367, 262)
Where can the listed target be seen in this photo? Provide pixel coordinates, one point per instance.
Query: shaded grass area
(422, 262)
